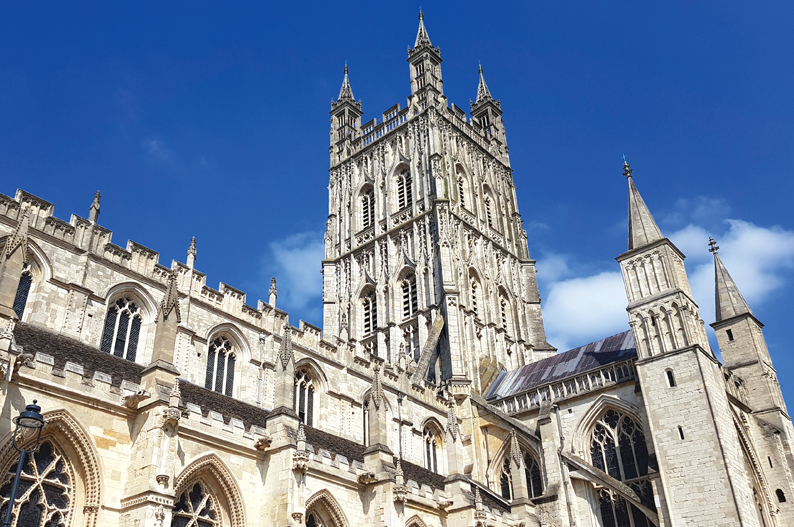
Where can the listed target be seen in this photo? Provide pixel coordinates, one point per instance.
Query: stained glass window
(23, 290)
(196, 507)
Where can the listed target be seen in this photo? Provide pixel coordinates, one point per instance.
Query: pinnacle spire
(642, 227)
(191, 253)
(728, 300)
(93, 211)
(422, 37)
(170, 300)
(346, 93)
(483, 93)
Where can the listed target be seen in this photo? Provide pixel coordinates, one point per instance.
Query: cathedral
(429, 398)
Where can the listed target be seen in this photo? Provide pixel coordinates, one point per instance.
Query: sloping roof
(64, 349)
(729, 300)
(616, 348)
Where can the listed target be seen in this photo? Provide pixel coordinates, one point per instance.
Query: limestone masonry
(430, 397)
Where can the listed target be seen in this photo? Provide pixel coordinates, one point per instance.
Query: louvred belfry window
(303, 401)
(196, 507)
(46, 490)
(461, 192)
(618, 448)
(368, 209)
(488, 212)
(221, 360)
(23, 290)
(474, 287)
(370, 313)
(122, 329)
(409, 296)
(404, 191)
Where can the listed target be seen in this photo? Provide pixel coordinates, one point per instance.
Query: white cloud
(582, 309)
(297, 268)
(156, 149)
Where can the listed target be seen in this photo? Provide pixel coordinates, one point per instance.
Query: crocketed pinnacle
(422, 38)
(642, 227)
(728, 299)
(346, 93)
(483, 93)
(170, 303)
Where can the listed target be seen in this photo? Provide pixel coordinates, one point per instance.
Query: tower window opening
(769, 458)
(23, 290)
(420, 68)
(681, 432)
(410, 306)
(781, 496)
(221, 360)
(730, 335)
(461, 192)
(503, 308)
(670, 378)
(488, 216)
(370, 313)
(368, 209)
(474, 295)
(404, 195)
(122, 329)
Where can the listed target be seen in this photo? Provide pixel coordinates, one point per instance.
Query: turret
(345, 115)
(487, 112)
(425, 61)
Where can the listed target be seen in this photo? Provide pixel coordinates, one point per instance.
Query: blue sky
(206, 120)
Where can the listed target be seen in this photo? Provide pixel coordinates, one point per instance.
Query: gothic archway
(323, 509)
(217, 489)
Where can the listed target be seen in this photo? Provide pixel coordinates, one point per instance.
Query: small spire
(171, 300)
(377, 394)
(477, 498)
(18, 240)
(191, 253)
(422, 38)
(399, 477)
(175, 396)
(93, 211)
(285, 353)
(483, 93)
(301, 433)
(642, 227)
(453, 427)
(728, 300)
(515, 449)
(346, 93)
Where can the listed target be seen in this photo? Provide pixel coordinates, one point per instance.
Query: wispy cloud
(295, 261)
(156, 149)
(581, 306)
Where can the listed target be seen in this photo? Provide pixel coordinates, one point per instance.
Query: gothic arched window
(618, 448)
(303, 398)
(504, 307)
(45, 497)
(409, 296)
(461, 192)
(221, 359)
(404, 192)
(122, 329)
(23, 290)
(488, 216)
(474, 291)
(368, 209)
(370, 313)
(431, 446)
(196, 507)
(531, 472)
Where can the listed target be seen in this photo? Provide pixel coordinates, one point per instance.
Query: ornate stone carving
(132, 401)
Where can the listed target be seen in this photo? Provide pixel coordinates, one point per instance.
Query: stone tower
(698, 453)
(424, 246)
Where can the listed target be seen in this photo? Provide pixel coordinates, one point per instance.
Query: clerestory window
(221, 359)
(122, 329)
(303, 399)
(431, 447)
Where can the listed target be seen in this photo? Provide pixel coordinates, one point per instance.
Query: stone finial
(170, 303)
(483, 93)
(713, 247)
(175, 397)
(301, 433)
(477, 499)
(346, 92)
(399, 477)
(515, 449)
(377, 394)
(191, 253)
(626, 168)
(18, 240)
(452, 421)
(422, 38)
(93, 211)
(273, 293)
(285, 352)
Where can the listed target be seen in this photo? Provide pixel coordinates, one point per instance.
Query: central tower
(426, 260)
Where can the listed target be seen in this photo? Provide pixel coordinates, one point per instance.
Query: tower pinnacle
(346, 93)
(422, 38)
(483, 93)
(728, 301)
(642, 227)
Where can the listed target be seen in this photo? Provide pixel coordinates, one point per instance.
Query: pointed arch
(503, 452)
(145, 298)
(65, 431)
(324, 504)
(316, 371)
(240, 339)
(415, 521)
(214, 472)
(604, 402)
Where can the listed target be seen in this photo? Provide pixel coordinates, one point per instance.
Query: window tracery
(221, 359)
(196, 507)
(488, 216)
(474, 287)
(122, 329)
(303, 400)
(618, 448)
(531, 472)
(23, 290)
(462, 192)
(368, 209)
(46, 490)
